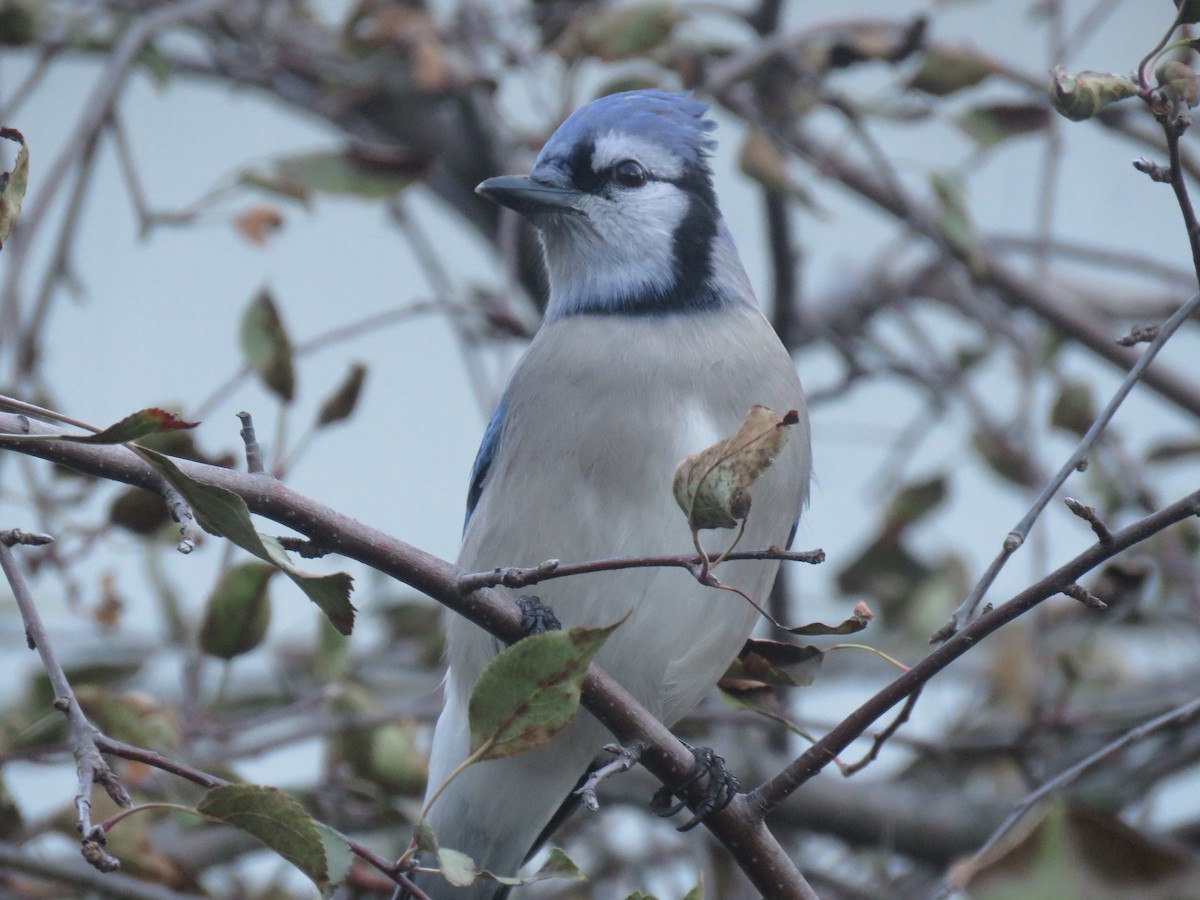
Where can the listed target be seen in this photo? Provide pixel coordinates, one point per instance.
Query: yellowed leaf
(713, 487)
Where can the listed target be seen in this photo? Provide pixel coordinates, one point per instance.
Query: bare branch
(89, 764)
(825, 750)
(1017, 536)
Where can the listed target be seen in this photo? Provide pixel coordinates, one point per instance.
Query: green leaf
(140, 511)
(396, 760)
(225, 514)
(696, 893)
(914, 502)
(530, 691)
(1170, 451)
(1074, 408)
(156, 63)
(457, 868)
(19, 23)
(991, 123)
(557, 865)
(423, 836)
(955, 220)
(238, 611)
(360, 171)
(340, 405)
(141, 424)
(267, 347)
(275, 819)
(1177, 81)
(136, 425)
(946, 70)
(13, 185)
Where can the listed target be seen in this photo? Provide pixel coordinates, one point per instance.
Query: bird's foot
(722, 787)
(625, 759)
(536, 616)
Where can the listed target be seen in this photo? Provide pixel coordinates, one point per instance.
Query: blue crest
(674, 119)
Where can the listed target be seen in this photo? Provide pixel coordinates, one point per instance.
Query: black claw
(722, 788)
(536, 616)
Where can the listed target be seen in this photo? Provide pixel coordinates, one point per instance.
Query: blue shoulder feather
(483, 459)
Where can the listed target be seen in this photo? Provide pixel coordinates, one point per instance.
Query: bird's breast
(600, 412)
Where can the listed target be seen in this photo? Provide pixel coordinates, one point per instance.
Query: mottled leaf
(13, 185)
(275, 819)
(530, 691)
(777, 663)
(1081, 96)
(137, 425)
(713, 487)
(859, 619)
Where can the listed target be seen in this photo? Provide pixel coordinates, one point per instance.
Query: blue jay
(652, 348)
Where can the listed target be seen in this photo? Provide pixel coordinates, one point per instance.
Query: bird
(652, 348)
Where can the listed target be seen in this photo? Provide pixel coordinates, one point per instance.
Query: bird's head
(622, 198)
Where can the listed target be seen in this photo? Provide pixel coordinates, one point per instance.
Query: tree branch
(738, 827)
(825, 750)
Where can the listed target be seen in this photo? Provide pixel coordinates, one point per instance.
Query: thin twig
(1020, 531)
(774, 791)
(95, 110)
(884, 736)
(516, 577)
(90, 766)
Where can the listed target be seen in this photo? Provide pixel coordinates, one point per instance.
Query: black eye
(629, 174)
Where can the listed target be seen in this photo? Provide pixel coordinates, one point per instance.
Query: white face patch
(618, 246)
(615, 147)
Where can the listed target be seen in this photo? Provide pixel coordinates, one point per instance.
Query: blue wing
(483, 459)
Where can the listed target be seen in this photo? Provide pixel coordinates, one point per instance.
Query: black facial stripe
(691, 244)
